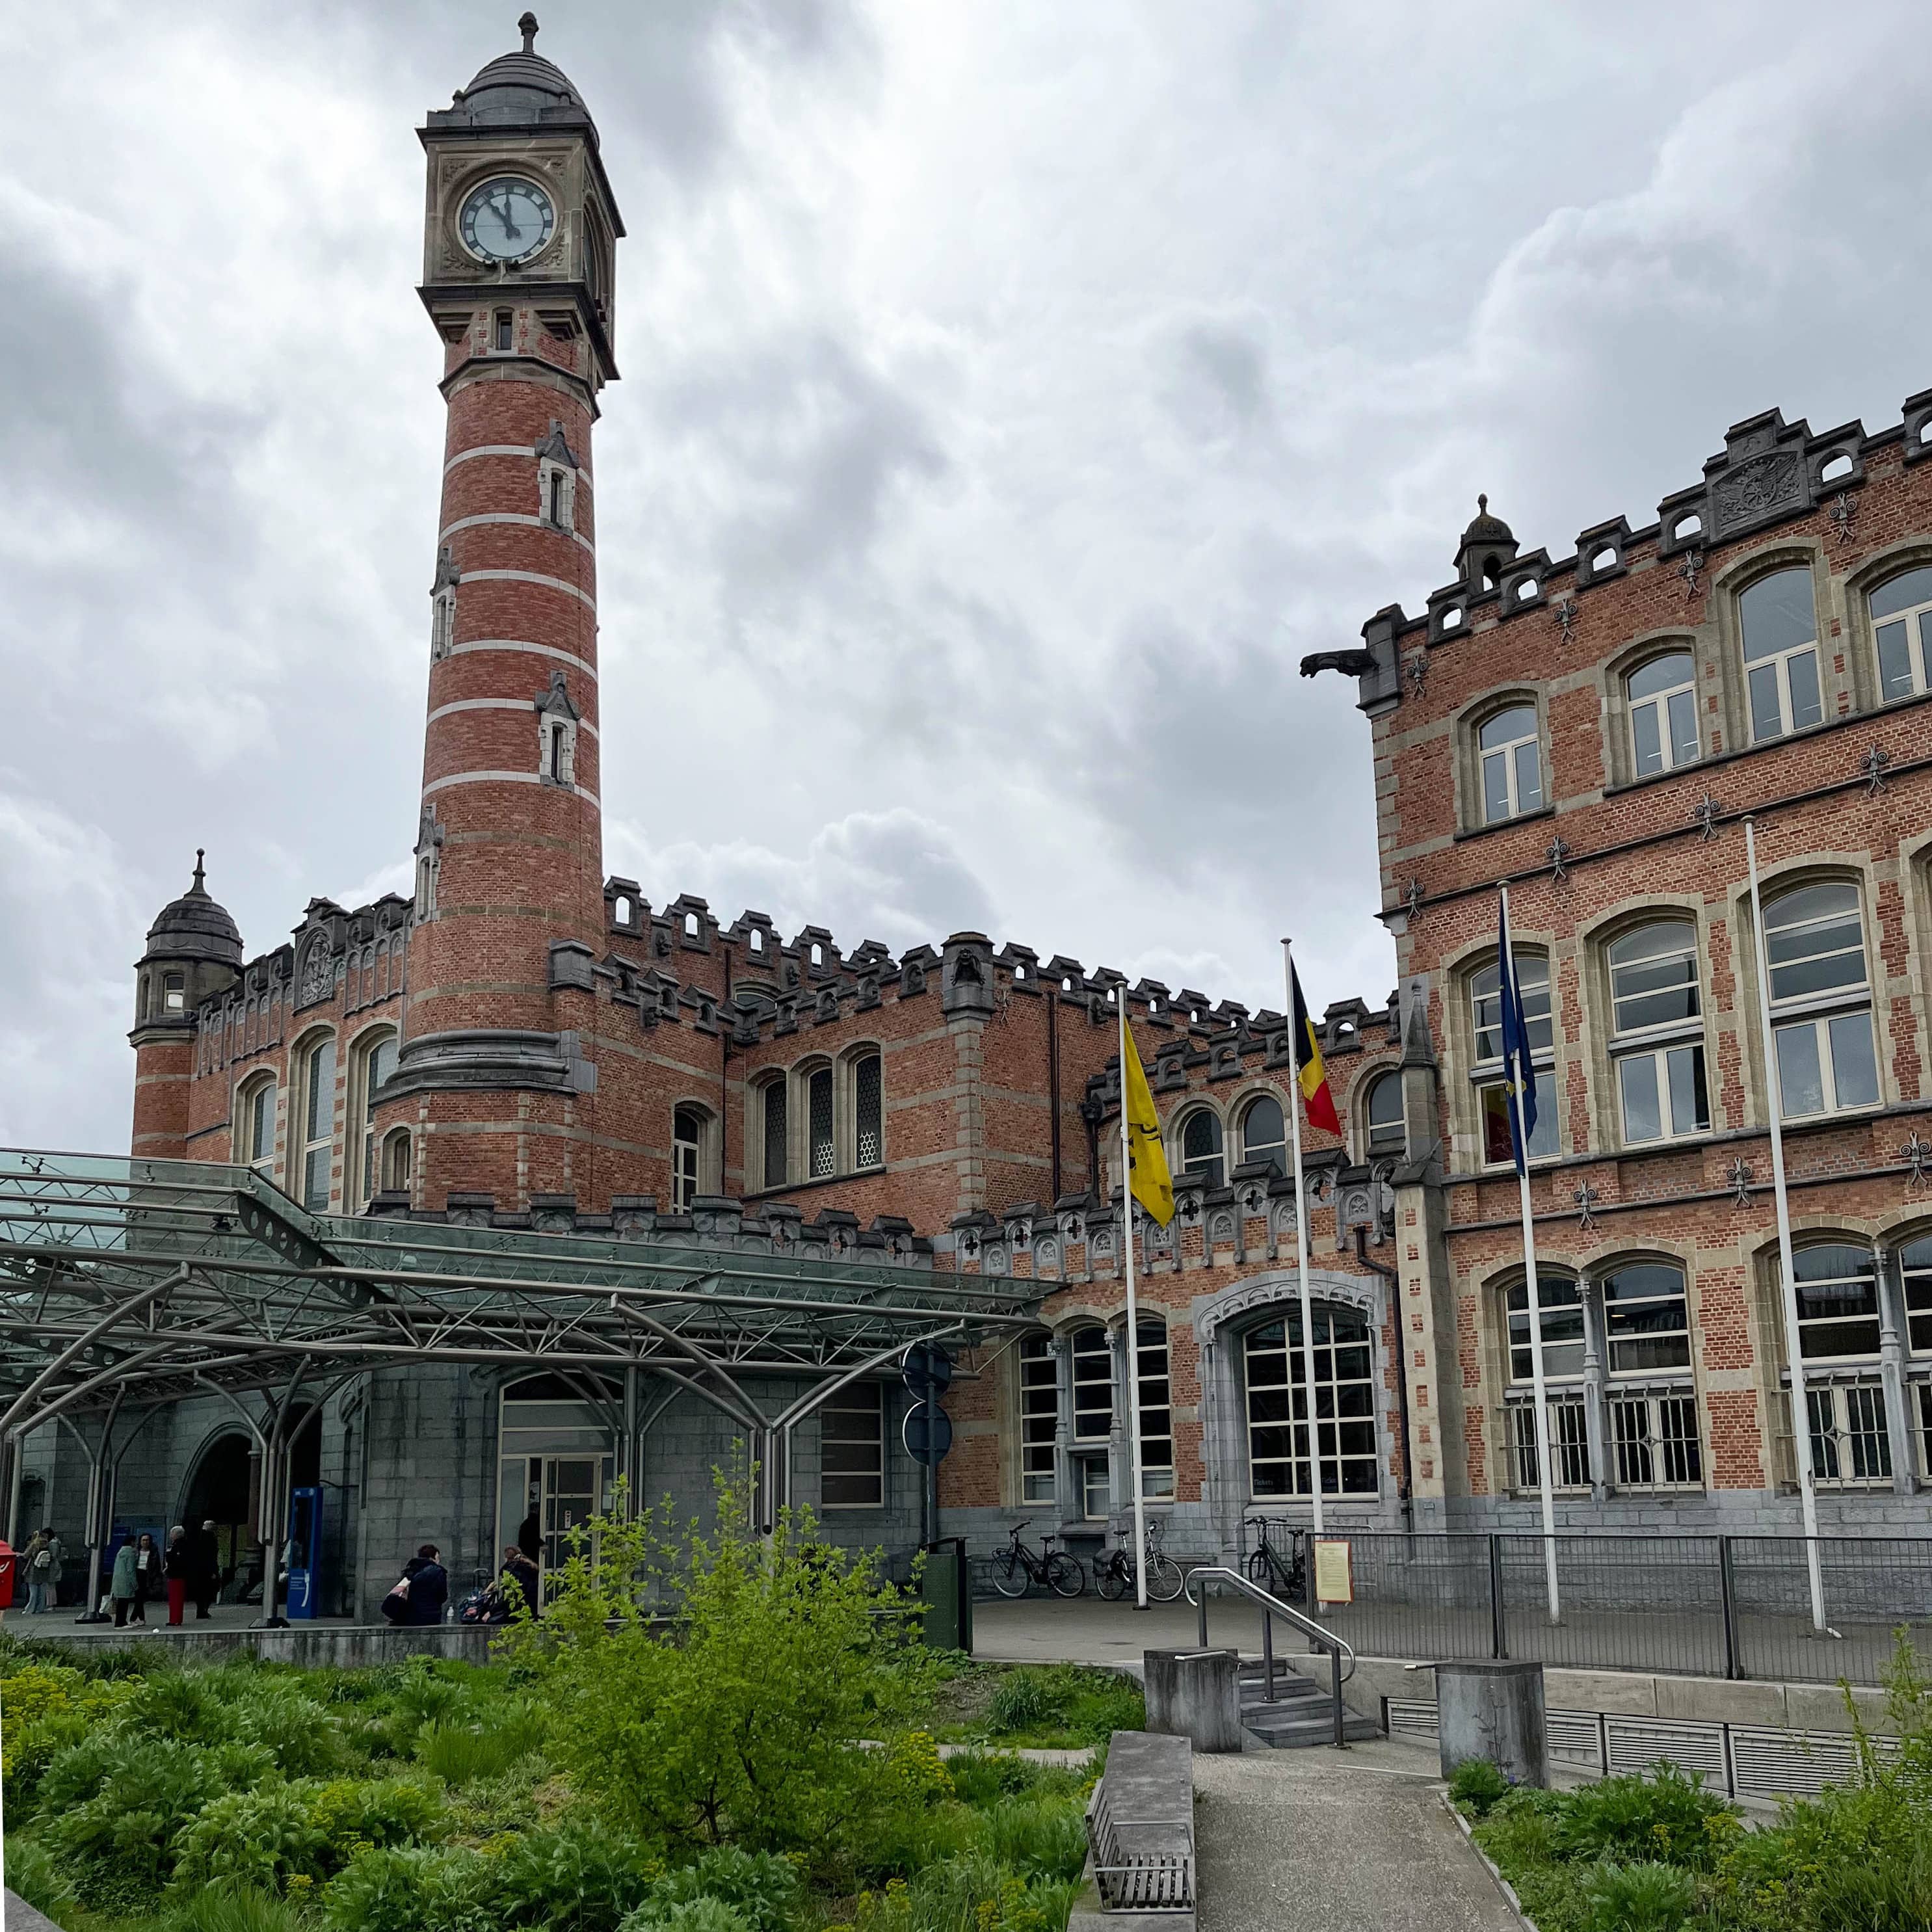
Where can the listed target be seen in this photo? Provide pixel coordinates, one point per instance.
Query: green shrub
(763, 1890)
(350, 1813)
(1648, 1897)
(983, 1778)
(701, 1914)
(578, 1875)
(1039, 1838)
(254, 1840)
(113, 1803)
(461, 1753)
(1475, 1785)
(969, 1895)
(225, 1908)
(412, 1888)
(302, 1735)
(34, 1872)
(1028, 1699)
(1060, 1700)
(1667, 1815)
(185, 1705)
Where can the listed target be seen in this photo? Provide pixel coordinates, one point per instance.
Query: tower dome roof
(194, 927)
(518, 89)
(1484, 528)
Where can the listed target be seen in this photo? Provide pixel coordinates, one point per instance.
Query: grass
(1034, 1707)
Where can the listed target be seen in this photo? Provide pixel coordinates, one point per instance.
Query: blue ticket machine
(304, 1553)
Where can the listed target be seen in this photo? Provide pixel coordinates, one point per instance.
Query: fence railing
(1696, 1606)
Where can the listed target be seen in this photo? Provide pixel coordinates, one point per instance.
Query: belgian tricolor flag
(1311, 1075)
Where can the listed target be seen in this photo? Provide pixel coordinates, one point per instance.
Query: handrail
(1317, 1632)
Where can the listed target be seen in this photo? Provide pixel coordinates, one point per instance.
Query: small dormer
(1487, 550)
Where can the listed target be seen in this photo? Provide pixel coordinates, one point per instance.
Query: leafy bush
(1475, 1786)
(33, 1872)
(578, 1875)
(114, 1802)
(1028, 1699)
(971, 1894)
(1649, 1897)
(761, 1890)
(253, 1839)
(411, 1888)
(982, 1778)
(1667, 1815)
(1065, 1703)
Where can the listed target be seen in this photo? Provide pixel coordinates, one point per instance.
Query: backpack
(396, 1604)
(43, 1558)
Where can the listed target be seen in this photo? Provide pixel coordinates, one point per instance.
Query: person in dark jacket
(520, 1582)
(177, 1562)
(148, 1585)
(204, 1570)
(429, 1586)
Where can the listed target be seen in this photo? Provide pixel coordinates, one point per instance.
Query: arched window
(397, 1161)
(1093, 1419)
(255, 1128)
(869, 1111)
(1647, 1325)
(1646, 1319)
(1561, 1306)
(1039, 1418)
(1201, 1146)
(687, 1153)
(1532, 973)
(772, 1123)
(823, 1145)
(1662, 699)
(1387, 1138)
(1901, 616)
(1157, 1409)
(1838, 1321)
(1915, 1266)
(1820, 999)
(1511, 764)
(1658, 1032)
(317, 1118)
(375, 1060)
(1277, 1400)
(1264, 1133)
(1780, 625)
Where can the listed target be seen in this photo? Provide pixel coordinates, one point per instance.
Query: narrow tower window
(868, 1106)
(504, 342)
(687, 1144)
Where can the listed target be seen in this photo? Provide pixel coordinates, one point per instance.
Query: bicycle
(1286, 1576)
(1114, 1574)
(1016, 1568)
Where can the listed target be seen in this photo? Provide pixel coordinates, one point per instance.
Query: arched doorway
(222, 1490)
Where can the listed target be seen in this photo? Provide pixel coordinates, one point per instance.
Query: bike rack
(1271, 1607)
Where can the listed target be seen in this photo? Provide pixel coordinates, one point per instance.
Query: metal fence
(1698, 1605)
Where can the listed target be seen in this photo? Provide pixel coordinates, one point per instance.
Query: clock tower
(497, 1069)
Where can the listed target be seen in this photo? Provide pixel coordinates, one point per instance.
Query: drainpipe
(1388, 1274)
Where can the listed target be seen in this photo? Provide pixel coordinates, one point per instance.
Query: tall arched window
(1532, 973)
(869, 1111)
(397, 1161)
(317, 1117)
(1201, 1146)
(1511, 764)
(1039, 1418)
(1386, 1137)
(1561, 1303)
(1779, 624)
(687, 1154)
(1264, 1133)
(255, 1128)
(1156, 1408)
(1901, 618)
(375, 1060)
(1093, 1419)
(1662, 699)
(822, 1145)
(1915, 1266)
(1647, 1325)
(1820, 999)
(1658, 1032)
(772, 1125)
(1838, 1322)
(1277, 1401)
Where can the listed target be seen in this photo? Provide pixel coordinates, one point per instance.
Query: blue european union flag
(1519, 1075)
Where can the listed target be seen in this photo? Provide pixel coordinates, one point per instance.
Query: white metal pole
(1133, 1324)
(1301, 1046)
(1801, 1411)
(1546, 1435)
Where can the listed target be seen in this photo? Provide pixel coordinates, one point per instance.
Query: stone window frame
(758, 1089)
(1234, 1134)
(363, 1159)
(1859, 637)
(1374, 1077)
(707, 1177)
(398, 1158)
(1721, 606)
(1192, 1107)
(1235, 1335)
(298, 1145)
(1467, 726)
(1600, 1036)
(256, 1080)
(1791, 875)
(1461, 1083)
(845, 1106)
(1619, 743)
(556, 495)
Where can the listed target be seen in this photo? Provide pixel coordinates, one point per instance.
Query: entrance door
(558, 1461)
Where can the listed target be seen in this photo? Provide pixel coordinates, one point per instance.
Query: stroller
(488, 1604)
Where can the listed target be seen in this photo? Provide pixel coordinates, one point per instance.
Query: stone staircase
(1302, 1716)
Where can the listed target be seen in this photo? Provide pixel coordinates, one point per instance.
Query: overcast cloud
(1011, 395)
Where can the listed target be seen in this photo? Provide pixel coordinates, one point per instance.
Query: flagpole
(1133, 1325)
(1545, 1436)
(1300, 1047)
(1801, 1407)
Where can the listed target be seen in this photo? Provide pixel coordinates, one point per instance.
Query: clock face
(507, 220)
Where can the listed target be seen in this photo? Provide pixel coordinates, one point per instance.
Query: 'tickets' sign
(1334, 1574)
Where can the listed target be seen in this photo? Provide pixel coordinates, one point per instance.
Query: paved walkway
(1321, 1841)
(1089, 1630)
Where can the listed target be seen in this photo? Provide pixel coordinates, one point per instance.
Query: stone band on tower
(519, 251)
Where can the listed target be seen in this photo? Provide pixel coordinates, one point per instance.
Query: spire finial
(1482, 504)
(526, 25)
(200, 871)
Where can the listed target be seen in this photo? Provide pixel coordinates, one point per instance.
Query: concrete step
(1302, 1726)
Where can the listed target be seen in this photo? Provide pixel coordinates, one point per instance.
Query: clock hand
(510, 228)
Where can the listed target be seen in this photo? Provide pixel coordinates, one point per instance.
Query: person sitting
(428, 1583)
(520, 1582)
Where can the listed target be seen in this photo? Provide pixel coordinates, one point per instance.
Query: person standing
(41, 1562)
(147, 1580)
(204, 1568)
(429, 1586)
(521, 1583)
(175, 1568)
(121, 1586)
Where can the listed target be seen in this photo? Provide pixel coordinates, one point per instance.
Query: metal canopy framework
(127, 1285)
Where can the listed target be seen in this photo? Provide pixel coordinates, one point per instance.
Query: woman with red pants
(175, 1567)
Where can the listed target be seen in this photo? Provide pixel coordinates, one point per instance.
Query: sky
(1011, 396)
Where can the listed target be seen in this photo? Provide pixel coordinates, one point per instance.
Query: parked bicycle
(1114, 1572)
(1283, 1571)
(1016, 1568)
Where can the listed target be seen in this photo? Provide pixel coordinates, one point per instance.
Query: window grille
(852, 1448)
(1156, 1414)
(1039, 1418)
(1345, 1406)
(1571, 1469)
(1654, 1441)
(773, 1101)
(824, 1153)
(1851, 1447)
(868, 1105)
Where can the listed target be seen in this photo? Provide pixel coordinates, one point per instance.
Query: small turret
(1488, 547)
(194, 948)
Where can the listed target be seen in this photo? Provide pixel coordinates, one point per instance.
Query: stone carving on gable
(1284, 1286)
(317, 982)
(1768, 486)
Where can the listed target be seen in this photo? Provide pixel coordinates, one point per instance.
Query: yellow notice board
(1334, 1573)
